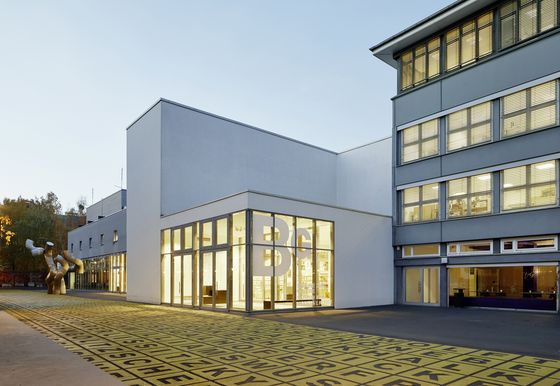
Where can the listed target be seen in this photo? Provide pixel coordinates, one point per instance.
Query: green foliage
(38, 219)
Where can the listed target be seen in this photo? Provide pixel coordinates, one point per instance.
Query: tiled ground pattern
(156, 345)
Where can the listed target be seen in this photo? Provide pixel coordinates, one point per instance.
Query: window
(420, 64)
(470, 248)
(530, 244)
(530, 109)
(420, 141)
(520, 20)
(115, 236)
(80, 245)
(101, 239)
(469, 42)
(89, 243)
(71, 247)
(469, 127)
(469, 196)
(420, 203)
(421, 250)
(529, 186)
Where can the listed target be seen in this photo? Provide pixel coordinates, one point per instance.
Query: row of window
(531, 109)
(522, 187)
(101, 241)
(464, 44)
(279, 230)
(485, 247)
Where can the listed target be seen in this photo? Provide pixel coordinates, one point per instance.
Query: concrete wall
(105, 226)
(363, 177)
(143, 142)
(107, 206)
(205, 157)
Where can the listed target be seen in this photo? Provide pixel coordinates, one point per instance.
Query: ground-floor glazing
(249, 261)
(104, 273)
(522, 286)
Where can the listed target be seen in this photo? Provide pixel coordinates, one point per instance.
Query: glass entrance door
(214, 280)
(421, 285)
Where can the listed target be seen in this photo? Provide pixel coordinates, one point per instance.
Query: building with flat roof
(101, 244)
(223, 215)
(476, 145)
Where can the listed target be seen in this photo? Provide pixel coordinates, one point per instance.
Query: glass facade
(519, 287)
(249, 261)
(106, 273)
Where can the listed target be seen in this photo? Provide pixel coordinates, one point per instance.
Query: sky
(75, 74)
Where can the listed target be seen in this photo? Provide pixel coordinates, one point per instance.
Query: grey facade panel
(526, 223)
(418, 103)
(93, 230)
(418, 171)
(418, 234)
(509, 150)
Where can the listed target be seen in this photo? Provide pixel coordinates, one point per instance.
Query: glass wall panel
(239, 274)
(324, 278)
(413, 285)
(187, 280)
(177, 240)
(188, 234)
(421, 285)
(177, 279)
(284, 229)
(305, 233)
(284, 278)
(220, 285)
(324, 235)
(222, 231)
(520, 287)
(262, 228)
(304, 278)
(166, 241)
(238, 228)
(207, 240)
(195, 277)
(166, 279)
(207, 279)
(262, 291)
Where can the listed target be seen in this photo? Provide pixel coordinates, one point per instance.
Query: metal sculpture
(58, 266)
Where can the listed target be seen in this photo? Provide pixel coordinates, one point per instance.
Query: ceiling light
(508, 185)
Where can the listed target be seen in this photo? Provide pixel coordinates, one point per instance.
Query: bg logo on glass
(281, 232)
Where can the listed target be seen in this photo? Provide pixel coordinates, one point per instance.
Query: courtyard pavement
(157, 345)
(527, 333)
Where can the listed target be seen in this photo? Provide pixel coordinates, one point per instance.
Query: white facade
(185, 165)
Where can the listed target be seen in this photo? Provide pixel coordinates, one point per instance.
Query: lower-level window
(520, 287)
(470, 248)
(421, 285)
(421, 250)
(530, 244)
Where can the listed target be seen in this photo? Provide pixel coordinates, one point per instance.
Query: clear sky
(75, 74)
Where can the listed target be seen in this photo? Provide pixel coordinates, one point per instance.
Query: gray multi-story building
(476, 145)
(101, 244)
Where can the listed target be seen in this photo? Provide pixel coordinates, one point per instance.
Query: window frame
(515, 13)
(460, 243)
(515, 240)
(115, 236)
(527, 186)
(438, 254)
(459, 40)
(469, 195)
(469, 127)
(420, 141)
(413, 57)
(528, 110)
(420, 203)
